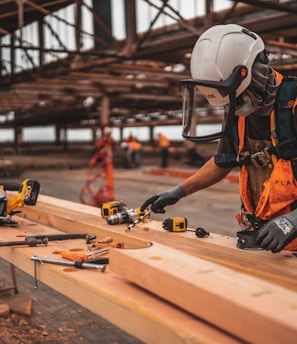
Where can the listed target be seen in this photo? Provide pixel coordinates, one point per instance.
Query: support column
(105, 111)
(102, 22)
(17, 139)
(130, 24)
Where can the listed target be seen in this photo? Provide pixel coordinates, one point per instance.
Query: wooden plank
(244, 306)
(108, 295)
(68, 216)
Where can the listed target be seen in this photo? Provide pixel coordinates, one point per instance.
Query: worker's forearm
(207, 175)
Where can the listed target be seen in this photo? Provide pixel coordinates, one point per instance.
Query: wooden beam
(107, 294)
(251, 309)
(66, 216)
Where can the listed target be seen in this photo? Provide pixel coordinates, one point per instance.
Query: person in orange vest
(230, 69)
(164, 145)
(133, 150)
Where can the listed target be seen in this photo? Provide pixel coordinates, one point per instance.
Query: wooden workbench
(164, 287)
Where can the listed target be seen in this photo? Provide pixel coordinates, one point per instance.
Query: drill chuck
(126, 216)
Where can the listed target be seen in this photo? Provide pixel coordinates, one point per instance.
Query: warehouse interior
(50, 76)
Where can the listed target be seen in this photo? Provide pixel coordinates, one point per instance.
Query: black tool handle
(11, 186)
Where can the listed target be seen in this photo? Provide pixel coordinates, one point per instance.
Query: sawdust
(17, 329)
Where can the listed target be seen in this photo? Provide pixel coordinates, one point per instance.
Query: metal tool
(34, 240)
(82, 257)
(27, 194)
(246, 240)
(111, 208)
(115, 244)
(76, 264)
(175, 224)
(105, 240)
(140, 219)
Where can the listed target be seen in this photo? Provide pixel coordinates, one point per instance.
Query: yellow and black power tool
(175, 224)
(180, 224)
(126, 216)
(111, 208)
(28, 192)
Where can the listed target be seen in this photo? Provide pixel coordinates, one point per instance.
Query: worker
(164, 145)
(230, 68)
(133, 149)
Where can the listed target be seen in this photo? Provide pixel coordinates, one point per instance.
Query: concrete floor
(213, 208)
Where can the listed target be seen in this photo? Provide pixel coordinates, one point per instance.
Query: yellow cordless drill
(27, 194)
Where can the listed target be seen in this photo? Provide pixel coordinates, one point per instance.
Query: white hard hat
(218, 51)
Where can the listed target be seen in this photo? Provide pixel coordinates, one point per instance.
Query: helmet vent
(249, 33)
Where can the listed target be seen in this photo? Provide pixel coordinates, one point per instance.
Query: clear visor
(204, 117)
(200, 119)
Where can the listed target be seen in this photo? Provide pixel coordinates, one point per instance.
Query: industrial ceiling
(119, 81)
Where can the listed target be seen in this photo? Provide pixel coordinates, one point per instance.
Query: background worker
(133, 149)
(164, 145)
(229, 67)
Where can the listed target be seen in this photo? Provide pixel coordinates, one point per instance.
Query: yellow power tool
(28, 192)
(111, 208)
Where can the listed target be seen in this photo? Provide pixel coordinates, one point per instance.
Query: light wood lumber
(68, 216)
(107, 294)
(253, 310)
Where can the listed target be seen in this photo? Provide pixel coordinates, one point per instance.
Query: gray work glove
(279, 232)
(162, 199)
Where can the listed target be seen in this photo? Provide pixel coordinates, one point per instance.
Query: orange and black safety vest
(280, 189)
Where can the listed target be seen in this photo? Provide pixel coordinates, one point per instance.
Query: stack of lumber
(165, 287)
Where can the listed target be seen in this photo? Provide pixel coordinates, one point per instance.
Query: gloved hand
(162, 199)
(278, 233)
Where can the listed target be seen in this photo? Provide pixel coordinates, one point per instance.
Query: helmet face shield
(200, 106)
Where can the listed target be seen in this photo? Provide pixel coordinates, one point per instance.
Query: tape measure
(175, 224)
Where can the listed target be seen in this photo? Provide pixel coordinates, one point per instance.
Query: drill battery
(175, 224)
(112, 208)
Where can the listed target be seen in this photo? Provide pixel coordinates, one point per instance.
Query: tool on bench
(140, 219)
(111, 208)
(246, 240)
(28, 192)
(82, 257)
(126, 216)
(105, 240)
(76, 264)
(115, 244)
(180, 224)
(34, 240)
(175, 224)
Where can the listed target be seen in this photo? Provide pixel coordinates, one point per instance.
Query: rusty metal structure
(116, 81)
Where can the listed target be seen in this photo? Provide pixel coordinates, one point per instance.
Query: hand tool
(246, 240)
(175, 224)
(179, 224)
(82, 257)
(111, 208)
(79, 265)
(140, 219)
(28, 192)
(115, 244)
(35, 240)
(105, 240)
